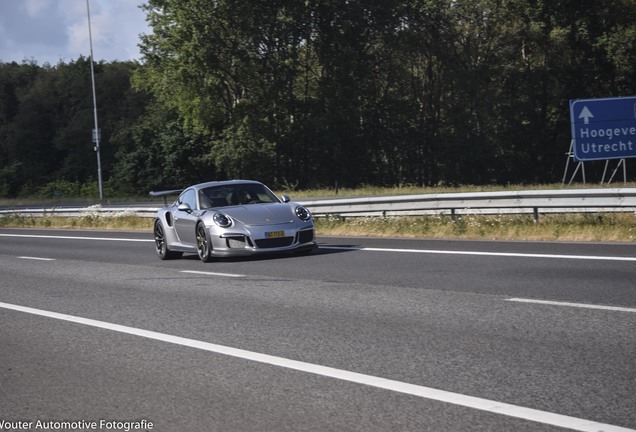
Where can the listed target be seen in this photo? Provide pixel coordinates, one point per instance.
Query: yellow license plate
(274, 234)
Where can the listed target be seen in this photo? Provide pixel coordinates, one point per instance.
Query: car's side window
(189, 197)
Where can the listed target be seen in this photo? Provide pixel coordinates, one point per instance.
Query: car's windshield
(235, 194)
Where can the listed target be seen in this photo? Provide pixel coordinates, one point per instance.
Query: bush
(59, 189)
(63, 189)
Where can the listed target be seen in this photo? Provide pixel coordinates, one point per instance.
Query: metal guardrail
(90, 211)
(452, 204)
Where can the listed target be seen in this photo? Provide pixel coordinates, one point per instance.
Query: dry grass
(83, 222)
(608, 227)
(615, 227)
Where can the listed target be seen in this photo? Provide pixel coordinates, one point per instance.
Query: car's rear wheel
(161, 245)
(204, 244)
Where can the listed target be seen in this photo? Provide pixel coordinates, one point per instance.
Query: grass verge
(126, 222)
(604, 227)
(600, 227)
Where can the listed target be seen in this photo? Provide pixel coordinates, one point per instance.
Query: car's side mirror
(185, 207)
(285, 198)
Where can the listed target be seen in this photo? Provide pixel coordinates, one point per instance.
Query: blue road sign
(603, 128)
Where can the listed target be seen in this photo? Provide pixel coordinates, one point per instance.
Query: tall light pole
(96, 130)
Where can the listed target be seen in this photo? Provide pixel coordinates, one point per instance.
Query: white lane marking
(501, 254)
(36, 258)
(577, 305)
(213, 273)
(520, 412)
(353, 248)
(76, 238)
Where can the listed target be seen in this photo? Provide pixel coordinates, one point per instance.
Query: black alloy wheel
(161, 245)
(204, 244)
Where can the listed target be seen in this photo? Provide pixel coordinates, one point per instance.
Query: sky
(50, 31)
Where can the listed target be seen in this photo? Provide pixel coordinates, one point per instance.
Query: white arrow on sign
(586, 114)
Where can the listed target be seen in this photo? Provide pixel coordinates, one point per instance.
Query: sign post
(603, 129)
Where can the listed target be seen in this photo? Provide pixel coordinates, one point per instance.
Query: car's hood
(261, 214)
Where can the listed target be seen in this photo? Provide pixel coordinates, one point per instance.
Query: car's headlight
(222, 220)
(302, 213)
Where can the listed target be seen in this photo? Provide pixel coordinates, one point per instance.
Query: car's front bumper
(246, 244)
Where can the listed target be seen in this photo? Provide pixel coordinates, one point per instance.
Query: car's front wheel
(161, 244)
(204, 244)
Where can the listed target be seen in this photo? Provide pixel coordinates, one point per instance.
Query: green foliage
(389, 92)
(60, 189)
(319, 92)
(64, 190)
(241, 153)
(162, 153)
(46, 122)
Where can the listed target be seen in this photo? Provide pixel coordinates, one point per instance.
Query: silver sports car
(231, 218)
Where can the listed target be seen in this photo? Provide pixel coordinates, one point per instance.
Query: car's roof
(200, 186)
(223, 183)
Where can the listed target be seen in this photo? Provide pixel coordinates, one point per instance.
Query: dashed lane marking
(570, 304)
(231, 275)
(36, 258)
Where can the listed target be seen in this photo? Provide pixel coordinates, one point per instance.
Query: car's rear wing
(165, 194)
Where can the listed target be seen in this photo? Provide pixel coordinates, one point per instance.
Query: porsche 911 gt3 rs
(231, 218)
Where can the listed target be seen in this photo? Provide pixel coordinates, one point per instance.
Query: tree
(383, 92)
(14, 79)
(160, 154)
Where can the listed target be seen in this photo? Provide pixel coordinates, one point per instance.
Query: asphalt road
(363, 335)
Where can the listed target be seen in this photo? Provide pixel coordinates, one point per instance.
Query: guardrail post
(535, 214)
